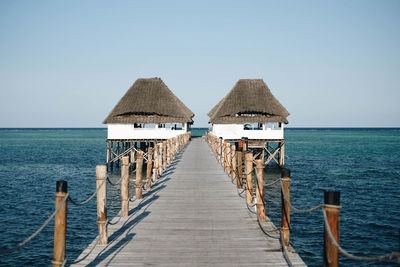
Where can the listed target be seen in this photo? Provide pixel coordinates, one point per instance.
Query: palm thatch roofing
(149, 101)
(250, 100)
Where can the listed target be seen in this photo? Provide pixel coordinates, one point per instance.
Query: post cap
(332, 197)
(61, 186)
(285, 173)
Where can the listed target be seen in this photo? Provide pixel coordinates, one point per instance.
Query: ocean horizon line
(286, 128)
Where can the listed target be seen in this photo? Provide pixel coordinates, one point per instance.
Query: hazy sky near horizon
(330, 63)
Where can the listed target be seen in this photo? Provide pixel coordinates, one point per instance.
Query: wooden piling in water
(149, 167)
(108, 154)
(260, 190)
(332, 209)
(133, 157)
(282, 154)
(111, 156)
(249, 177)
(125, 187)
(60, 225)
(285, 219)
(118, 151)
(139, 170)
(101, 175)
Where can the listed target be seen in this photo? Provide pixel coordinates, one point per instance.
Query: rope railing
(36, 233)
(389, 256)
(219, 149)
(63, 197)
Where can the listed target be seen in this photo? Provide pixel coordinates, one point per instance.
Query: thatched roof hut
(149, 101)
(250, 100)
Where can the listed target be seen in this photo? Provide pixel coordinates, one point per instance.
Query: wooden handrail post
(260, 190)
(221, 149)
(234, 161)
(139, 170)
(155, 165)
(249, 177)
(164, 154)
(101, 175)
(168, 151)
(160, 158)
(228, 158)
(285, 220)
(332, 210)
(149, 166)
(239, 169)
(125, 186)
(60, 225)
(225, 157)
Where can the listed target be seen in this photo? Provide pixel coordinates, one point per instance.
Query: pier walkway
(193, 216)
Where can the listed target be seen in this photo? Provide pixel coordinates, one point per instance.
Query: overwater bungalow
(251, 112)
(148, 113)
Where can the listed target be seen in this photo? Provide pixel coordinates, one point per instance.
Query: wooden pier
(192, 216)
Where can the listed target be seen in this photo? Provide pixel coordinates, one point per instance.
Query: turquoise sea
(363, 164)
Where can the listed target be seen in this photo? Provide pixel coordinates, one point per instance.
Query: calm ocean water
(364, 164)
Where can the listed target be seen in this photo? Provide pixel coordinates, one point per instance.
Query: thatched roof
(149, 101)
(250, 100)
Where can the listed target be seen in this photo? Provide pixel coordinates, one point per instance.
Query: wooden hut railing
(161, 160)
(244, 168)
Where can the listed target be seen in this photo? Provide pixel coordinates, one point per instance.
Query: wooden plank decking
(192, 217)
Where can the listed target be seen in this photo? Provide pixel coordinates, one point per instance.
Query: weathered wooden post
(282, 154)
(285, 220)
(139, 170)
(108, 154)
(239, 169)
(149, 166)
(249, 177)
(133, 156)
(220, 150)
(228, 158)
(101, 175)
(245, 141)
(164, 154)
(111, 156)
(332, 210)
(168, 151)
(155, 165)
(160, 158)
(60, 224)
(118, 153)
(234, 161)
(225, 155)
(125, 186)
(260, 190)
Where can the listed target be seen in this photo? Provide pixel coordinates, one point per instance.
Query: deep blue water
(364, 164)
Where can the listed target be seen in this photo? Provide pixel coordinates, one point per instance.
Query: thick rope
(87, 200)
(112, 183)
(395, 254)
(284, 250)
(26, 241)
(300, 210)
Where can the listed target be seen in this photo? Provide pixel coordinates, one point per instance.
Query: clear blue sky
(330, 63)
